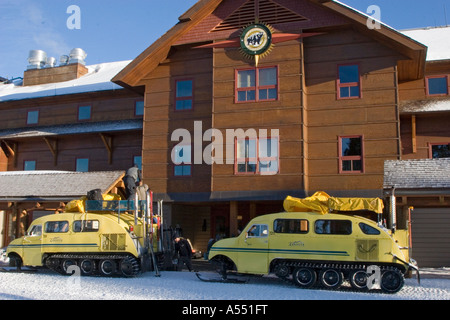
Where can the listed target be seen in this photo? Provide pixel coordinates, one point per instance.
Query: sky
(113, 30)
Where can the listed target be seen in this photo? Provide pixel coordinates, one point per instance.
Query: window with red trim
(184, 95)
(351, 156)
(437, 85)
(182, 159)
(257, 156)
(258, 84)
(348, 82)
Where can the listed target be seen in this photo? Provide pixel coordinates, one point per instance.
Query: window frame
(29, 161)
(343, 158)
(257, 159)
(37, 118)
(83, 226)
(136, 108)
(427, 85)
(82, 158)
(54, 222)
(257, 87)
(287, 220)
(430, 148)
(261, 234)
(333, 233)
(79, 113)
(183, 164)
(340, 85)
(183, 98)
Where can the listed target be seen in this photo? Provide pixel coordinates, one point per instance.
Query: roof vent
(51, 62)
(77, 55)
(36, 59)
(63, 60)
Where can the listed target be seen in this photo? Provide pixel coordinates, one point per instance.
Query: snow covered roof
(98, 78)
(48, 185)
(435, 38)
(429, 105)
(417, 174)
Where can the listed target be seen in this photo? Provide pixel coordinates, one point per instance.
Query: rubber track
(343, 267)
(95, 257)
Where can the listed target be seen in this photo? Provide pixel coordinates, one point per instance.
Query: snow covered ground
(46, 285)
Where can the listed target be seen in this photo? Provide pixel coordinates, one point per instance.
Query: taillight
(131, 228)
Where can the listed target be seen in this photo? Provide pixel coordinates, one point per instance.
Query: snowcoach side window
(258, 231)
(86, 226)
(366, 229)
(343, 227)
(57, 227)
(298, 226)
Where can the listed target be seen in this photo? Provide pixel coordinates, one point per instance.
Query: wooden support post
(413, 134)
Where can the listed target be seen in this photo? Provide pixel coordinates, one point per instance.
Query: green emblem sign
(256, 39)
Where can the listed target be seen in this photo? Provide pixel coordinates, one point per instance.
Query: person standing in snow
(184, 250)
(132, 179)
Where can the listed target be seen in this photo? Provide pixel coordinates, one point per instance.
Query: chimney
(43, 70)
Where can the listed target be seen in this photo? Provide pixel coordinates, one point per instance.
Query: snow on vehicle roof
(435, 38)
(98, 78)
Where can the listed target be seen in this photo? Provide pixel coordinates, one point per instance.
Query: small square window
(82, 165)
(29, 165)
(33, 117)
(84, 113)
(437, 85)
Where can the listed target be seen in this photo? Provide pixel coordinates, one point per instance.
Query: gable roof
(54, 185)
(413, 67)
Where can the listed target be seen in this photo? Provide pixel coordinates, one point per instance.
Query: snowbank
(45, 285)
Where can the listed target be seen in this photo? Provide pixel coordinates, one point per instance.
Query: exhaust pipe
(393, 209)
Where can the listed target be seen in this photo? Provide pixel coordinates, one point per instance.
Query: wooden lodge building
(248, 101)
(59, 121)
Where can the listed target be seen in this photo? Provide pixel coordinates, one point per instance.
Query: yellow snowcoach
(308, 245)
(109, 237)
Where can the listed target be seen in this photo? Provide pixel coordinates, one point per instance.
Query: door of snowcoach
(32, 246)
(253, 249)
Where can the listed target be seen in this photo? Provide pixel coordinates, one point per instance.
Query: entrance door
(253, 255)
(32, 247)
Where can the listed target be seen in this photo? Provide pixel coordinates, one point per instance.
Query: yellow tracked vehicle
(310, 246)
(107, 238)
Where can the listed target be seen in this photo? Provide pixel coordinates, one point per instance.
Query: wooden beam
(53, 146)
(10, 150)
(108, 142)
(414, 134)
